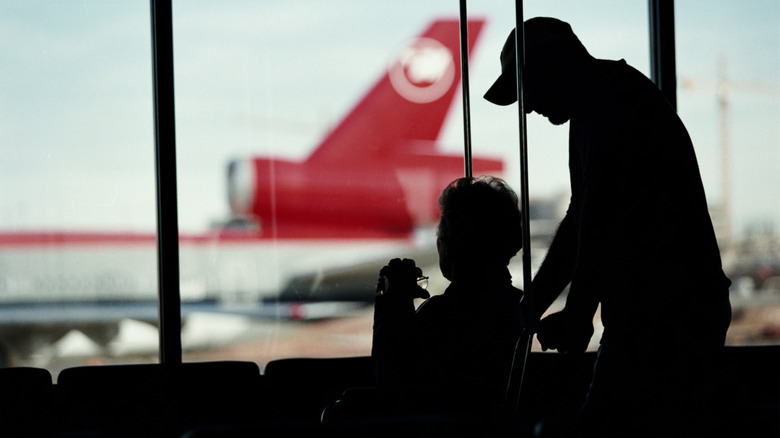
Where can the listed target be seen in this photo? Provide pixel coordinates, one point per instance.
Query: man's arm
(571, 329)
(558, 266)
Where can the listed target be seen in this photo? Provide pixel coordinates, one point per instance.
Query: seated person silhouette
(637, 239)
(454, 352)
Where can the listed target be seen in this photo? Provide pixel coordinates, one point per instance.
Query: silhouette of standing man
(637, 238)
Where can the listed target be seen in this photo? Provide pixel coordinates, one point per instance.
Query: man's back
(638, 199)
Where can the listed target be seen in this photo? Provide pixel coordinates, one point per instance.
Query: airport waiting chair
(115, 397)
(221, 392)
(25, 404)
(155, 397)
(300, 388)
(291, 395)
(747, 391)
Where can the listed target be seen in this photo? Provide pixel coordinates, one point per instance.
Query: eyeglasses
(422, 283)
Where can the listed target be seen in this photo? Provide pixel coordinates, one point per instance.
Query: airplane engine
(382, 197)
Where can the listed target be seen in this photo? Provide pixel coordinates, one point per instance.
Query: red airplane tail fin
(383, 153)
(413, 98)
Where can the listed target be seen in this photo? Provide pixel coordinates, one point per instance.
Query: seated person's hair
(480, 221)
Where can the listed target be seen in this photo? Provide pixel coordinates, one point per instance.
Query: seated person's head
(480, 226)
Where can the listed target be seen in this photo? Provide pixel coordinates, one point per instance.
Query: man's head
(480, 224)
(553, 58)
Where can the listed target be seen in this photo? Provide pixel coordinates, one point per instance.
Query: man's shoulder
(614, 74)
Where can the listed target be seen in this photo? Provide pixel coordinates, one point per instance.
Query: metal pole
(165, 154)
(464, 75)
(523, 346)
(662, 51)
(524, 197)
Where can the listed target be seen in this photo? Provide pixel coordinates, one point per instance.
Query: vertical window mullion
(165, 152)
(662, 52)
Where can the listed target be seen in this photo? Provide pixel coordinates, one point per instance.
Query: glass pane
(289, 268)
(78, 267)
(728, 69)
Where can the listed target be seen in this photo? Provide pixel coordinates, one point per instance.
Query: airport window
(312, 145)
(729, 98)
(302, 166)
(78, 267)
(307, 146)
(286, 209)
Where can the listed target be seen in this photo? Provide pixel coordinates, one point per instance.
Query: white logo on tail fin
(423, 71)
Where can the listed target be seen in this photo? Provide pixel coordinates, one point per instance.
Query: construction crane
(723, 88)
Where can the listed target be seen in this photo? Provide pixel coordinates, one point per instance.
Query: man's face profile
(546, 95)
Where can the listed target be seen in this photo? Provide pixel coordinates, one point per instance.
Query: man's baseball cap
(543, 36)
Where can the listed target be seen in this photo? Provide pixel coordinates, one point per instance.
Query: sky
(269, 78)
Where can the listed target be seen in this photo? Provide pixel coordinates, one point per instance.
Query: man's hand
(565, 332)
(399, 279)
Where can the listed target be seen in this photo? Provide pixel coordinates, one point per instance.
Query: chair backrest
(749, 375)
(121, 397)
(25, 380)
(218, 392)
(26, 398)
(301, 387)
(747, 391)
(156, 396)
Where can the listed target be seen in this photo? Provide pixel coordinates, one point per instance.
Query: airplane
(313, 231)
